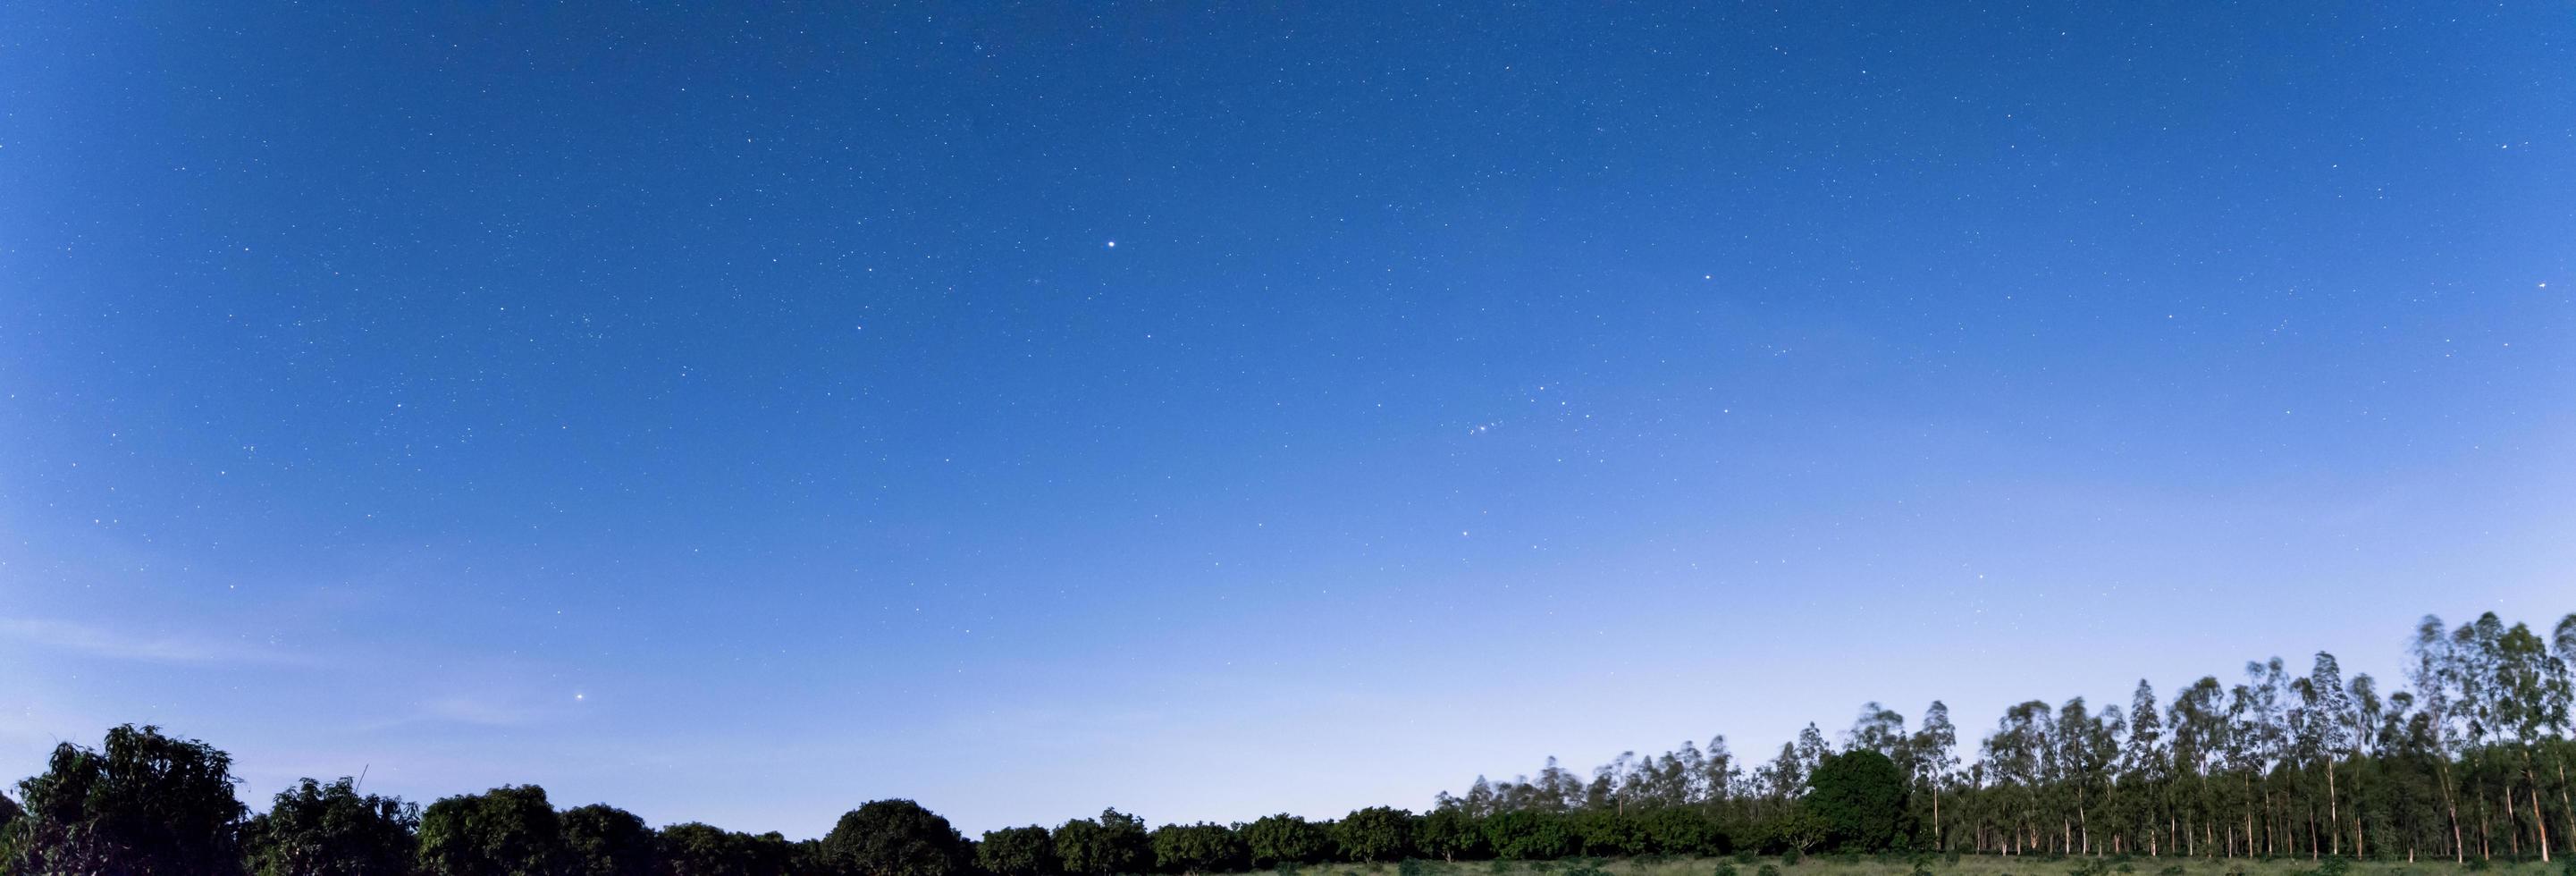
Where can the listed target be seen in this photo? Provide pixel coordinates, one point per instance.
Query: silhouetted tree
(1114, 844)
(603, 840)
(1286, 839)
(895, 838)
(142, 803)
(695, 849)
(507, 831)
(314, 829)
(1018, 851)
(1199, 848)
(1377, 833)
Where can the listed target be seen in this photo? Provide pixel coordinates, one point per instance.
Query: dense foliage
(895, 838)
(2469, 762)
(314, 829)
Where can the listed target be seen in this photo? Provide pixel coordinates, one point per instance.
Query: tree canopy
(2468, 760)
(895, 838)
(329, 829)
(1860, 796)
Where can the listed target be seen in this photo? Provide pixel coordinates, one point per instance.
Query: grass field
(1971, 865)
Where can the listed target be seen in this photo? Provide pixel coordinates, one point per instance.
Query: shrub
(2175, 870)
(1790, 858)
(1746, 857)
(1727, 868)
(1768, 870)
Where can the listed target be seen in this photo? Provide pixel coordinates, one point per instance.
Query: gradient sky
(738, 416)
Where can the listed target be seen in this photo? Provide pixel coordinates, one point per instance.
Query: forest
(2462, 762)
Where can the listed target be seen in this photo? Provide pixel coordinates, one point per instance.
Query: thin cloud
(93, 641)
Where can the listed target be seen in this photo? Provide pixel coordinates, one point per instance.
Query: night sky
(1209, 412)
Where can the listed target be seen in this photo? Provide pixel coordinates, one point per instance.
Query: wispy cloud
(467, 710)
(94, 641)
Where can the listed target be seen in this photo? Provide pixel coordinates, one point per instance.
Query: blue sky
(737, 417)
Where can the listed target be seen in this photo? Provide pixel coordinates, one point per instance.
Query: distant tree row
(2469, 760)
(2472, 761)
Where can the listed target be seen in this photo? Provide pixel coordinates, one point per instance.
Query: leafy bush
(1726, 868)
(1790, 858)
(2175, 870)
(1747, 857)
(1768, 870)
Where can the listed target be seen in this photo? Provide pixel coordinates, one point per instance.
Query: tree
(2142, 765)
(1199, 848)
(1377, 833)
(1936, 761)
(314, 829)
(1860, 795)
(1606, 832)
(894, 838)
(1528, 835)
(1114, 844)
(1799, 830)
(1286, 839)
(507, 831)
(1017, 851)
(695, 849)
(603, 840)
(143, 803)
(1882, 730)
(1680, 830)
(1450, 833)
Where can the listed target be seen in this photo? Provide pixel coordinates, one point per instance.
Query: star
(1113, 244)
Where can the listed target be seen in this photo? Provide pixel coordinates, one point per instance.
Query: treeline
(2469, 761)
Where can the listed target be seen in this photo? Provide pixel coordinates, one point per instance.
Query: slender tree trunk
(2334, 815)
(2249, 816)
(2486, 831)
(2512, 831)
(2459, 845)
(2311, 830)
(2268, 832)
(2539, 823)
(2564, 807)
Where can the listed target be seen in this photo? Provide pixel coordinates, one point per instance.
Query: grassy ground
(1971, 865)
